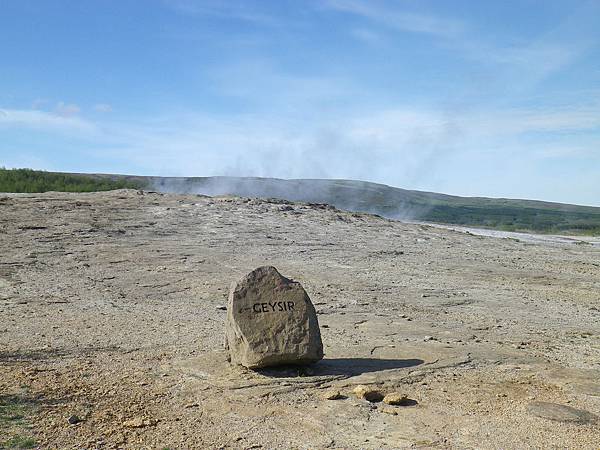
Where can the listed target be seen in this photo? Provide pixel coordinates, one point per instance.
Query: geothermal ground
(111, 315)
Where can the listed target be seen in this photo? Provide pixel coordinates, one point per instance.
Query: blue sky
(490, 98)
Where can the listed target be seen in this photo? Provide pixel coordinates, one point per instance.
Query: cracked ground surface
(110, 315)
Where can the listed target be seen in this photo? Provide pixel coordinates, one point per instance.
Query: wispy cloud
(263, 86)
(231, 9)
(343, 145)
(519, 68)
(103, 108)
(525, 63)
(522, 120)
(404, 146)
(398, 18)
(67, 109)
(337, 145)
(367, 35)
(38, 103)
(42, 120)
(568, 150)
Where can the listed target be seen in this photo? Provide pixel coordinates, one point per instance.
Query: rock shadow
(53, 354)
(409, 402)
(348, 367)
(356, 366)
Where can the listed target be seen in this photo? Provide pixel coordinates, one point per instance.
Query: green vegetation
(27, 180)
(517, 219)
(19, 442)
(13, 409)
(498, 214)
(13, 414)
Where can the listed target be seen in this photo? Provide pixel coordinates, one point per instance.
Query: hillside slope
(358, 196)
(396, 203)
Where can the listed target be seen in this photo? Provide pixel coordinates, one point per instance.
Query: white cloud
(525, 63)
(43, 121)
(404, 146)
(260, 84)
(516, 121)
(103, 108)
(230, 9)
(38, 103)
(396, 18)
(385, 145)
(568, 150)
(67, 109)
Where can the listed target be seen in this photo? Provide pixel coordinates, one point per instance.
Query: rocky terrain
(112, 309)
(503, 214)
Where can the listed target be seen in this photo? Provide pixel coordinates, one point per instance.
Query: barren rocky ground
(111, 315)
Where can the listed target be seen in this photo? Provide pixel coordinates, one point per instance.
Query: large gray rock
(271, 321)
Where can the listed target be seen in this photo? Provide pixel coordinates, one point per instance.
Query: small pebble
(368, 393)
(394, 398)
(334, 395)
(389, 410)
(74, 419)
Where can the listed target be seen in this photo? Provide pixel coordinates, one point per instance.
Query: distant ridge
(361, 196)
(392, 202)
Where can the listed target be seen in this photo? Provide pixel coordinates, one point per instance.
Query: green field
(30, 181)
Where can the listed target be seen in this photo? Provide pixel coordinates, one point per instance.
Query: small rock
(368, 393)
(395, 398)
(139, 422)
(388, 410)
(221, 308)
(334, 395)
(74, 419)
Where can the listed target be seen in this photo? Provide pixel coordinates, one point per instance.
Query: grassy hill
(396, 203)
(30, 181)
(386, 201)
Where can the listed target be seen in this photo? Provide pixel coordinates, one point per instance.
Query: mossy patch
(14, 426)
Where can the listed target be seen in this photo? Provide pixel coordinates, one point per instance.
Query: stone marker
(271, 321)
